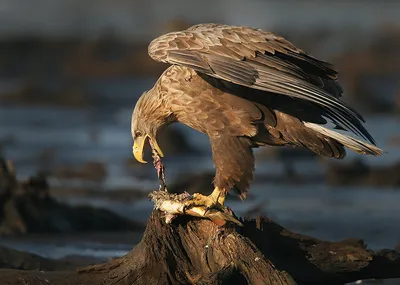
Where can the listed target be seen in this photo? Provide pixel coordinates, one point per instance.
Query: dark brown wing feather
(291, 130)
(259, 60)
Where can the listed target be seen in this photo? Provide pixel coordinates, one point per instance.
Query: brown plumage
(245, 88)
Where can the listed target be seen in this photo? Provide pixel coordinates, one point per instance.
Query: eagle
(245, 88)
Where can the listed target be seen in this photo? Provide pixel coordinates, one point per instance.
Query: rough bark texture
(196, 251)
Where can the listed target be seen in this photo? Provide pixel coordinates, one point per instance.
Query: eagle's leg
(219, 195)
(213, 201)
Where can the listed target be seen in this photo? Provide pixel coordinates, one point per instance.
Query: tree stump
(191, 250)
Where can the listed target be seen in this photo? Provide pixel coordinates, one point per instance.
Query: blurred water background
(71, 72)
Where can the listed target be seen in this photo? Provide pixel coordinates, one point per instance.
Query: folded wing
(260, 60)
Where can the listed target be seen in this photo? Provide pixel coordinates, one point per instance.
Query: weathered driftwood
(197, 251)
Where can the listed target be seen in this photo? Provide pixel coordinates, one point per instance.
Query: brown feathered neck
(151, 113)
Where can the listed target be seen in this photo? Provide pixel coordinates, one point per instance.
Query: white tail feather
(350, 142)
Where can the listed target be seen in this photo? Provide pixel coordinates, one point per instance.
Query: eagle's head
(149, 116)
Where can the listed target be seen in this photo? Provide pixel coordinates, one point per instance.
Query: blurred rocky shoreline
(27, 207)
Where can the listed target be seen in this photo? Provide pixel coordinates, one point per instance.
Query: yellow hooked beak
(138, 147)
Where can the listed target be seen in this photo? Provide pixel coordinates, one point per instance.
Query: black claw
(185, 207)
(214, 207)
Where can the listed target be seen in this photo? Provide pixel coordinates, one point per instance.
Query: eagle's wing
(260, 60)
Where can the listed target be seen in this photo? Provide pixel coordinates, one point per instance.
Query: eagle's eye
(138, 134)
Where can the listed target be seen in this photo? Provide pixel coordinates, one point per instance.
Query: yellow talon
(213, 201)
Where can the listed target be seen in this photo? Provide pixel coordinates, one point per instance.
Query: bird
(245, 88)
